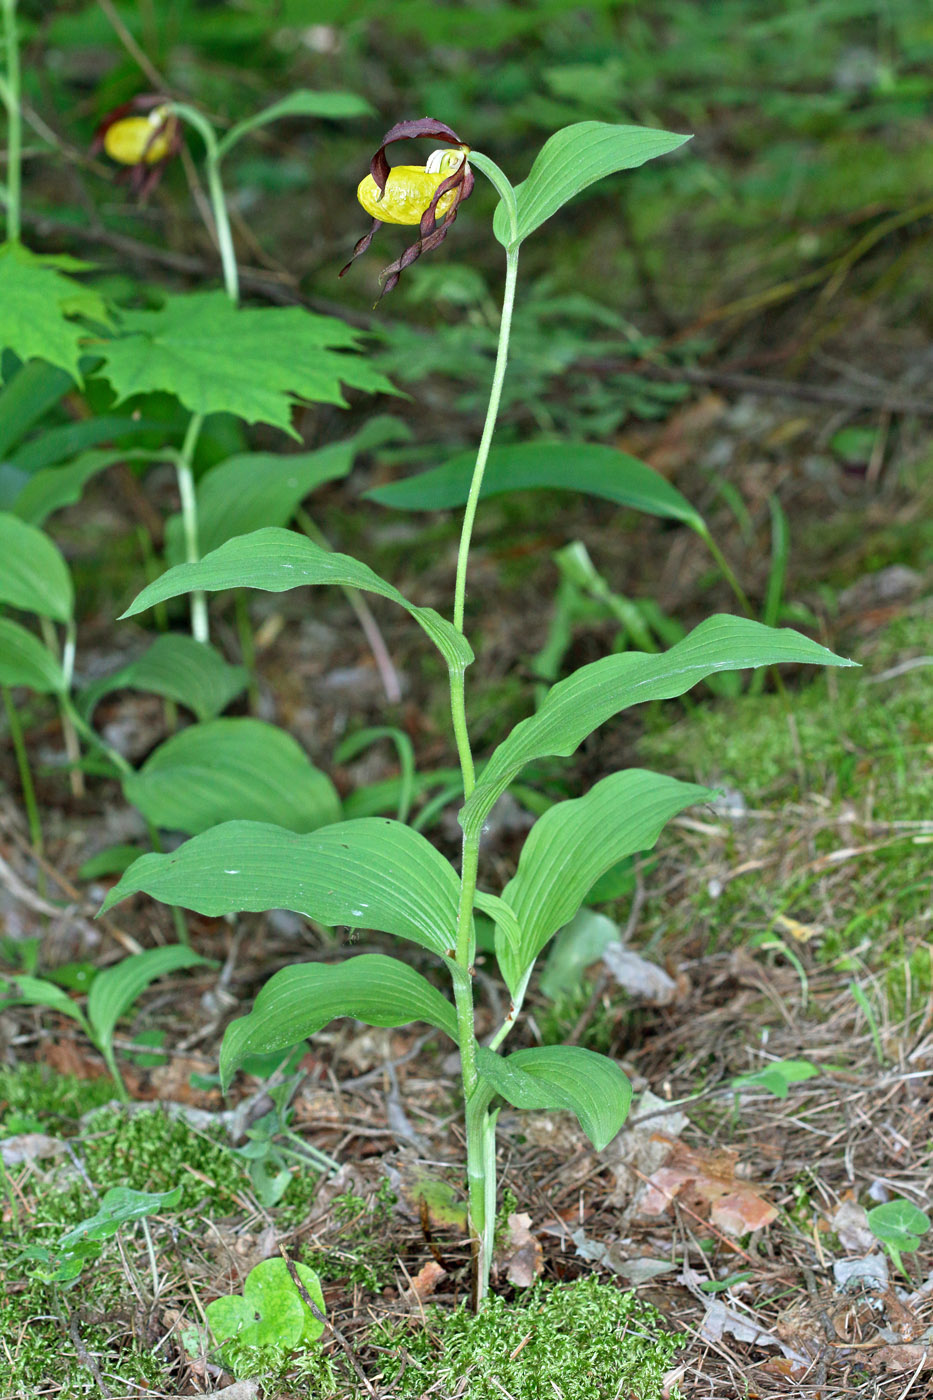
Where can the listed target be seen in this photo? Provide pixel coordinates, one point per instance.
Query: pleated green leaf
(296, 1002)
(574, 158)
(563, 1077)
(23, 990)
(276, 560)
(24, 660)
(33, 574)
(175, 666)
(370, 873)
(576, 842)
(592, 468)
(578, 705)
(114, 990)
(226, 769)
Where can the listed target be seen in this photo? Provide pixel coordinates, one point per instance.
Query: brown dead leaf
(706, 1183)
(850, 1222)
(424, 1282)
(911, 1356)
(66, 1057)
(522, 1256)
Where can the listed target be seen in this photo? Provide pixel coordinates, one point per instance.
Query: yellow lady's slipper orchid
(428, 195)
(410, 189)
(147, 139)
(142, 135)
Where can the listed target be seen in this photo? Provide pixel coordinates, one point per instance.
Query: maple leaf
(37, 305)
(255, 362)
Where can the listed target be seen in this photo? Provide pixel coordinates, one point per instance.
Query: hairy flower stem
(480, 1124)
(10, 97)
(212, 158)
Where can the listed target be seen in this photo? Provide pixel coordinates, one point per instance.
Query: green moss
(152, 1152)
(586, 1341)
(360, 1250)
(56, 1101)
(851, 736)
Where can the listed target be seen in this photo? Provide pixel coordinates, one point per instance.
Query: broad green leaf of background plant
(227, 768)
(369, 873)
(256, 489)
(114, 990)
(175, 666)
(593, 468)
(564, 1077)
(271, 1311)
(24, 660)
(276, 560)
(299, 1000)
(254, 362)
(578, 705)
(573, 844)
(777, 1077)
(120, 1206)
(334, 106)
(23, 990)
(577, 946)
(27, 395)
(573, 159)
(33, 574)
(37, 303)
(899, 1224)
(54, 487)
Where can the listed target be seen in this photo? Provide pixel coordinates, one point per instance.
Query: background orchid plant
(380, 874)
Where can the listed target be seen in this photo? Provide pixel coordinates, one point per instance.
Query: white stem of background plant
(10, 96)
(189, 513)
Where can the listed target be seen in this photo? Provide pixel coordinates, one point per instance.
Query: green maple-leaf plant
(45, 314)
(379, 874)
(217, 357)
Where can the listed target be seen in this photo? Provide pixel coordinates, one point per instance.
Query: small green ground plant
(381, 874)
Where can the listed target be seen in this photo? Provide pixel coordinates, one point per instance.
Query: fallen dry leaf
(911, 1356)
(424, 1282)
(850, 1223)
(522, 1256)
(639, 977)
(28, 1147)
(636, 1152)
(707, 1181)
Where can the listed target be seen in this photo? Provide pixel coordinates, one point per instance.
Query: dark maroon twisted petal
(408, 131)
(361, 246)
(432, 233)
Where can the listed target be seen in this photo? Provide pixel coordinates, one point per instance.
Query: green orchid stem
(10, 96)
(480, 1124)
(215, 189)
(200, 629)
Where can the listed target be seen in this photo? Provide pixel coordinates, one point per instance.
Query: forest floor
(788, 923)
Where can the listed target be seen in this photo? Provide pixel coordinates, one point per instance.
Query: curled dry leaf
(707, 1183)
(522, 1255)
(424, 1282)
(638, 1151)
(849, 1222)
(639, 977)
(28, 1147)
